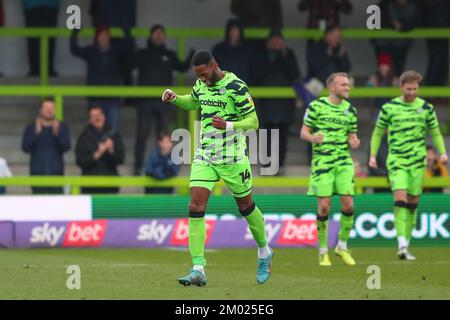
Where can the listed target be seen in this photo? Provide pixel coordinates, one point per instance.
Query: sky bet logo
(213, 103)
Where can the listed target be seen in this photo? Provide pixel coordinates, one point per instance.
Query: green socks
(346, 224)
(256, 224)
(411, 220)
(197, 237)
(400, 214)
(322, 231)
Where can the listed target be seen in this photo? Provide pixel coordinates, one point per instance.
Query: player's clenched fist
(317, 138)
(373, 162)
(169, 96)
(354, 141)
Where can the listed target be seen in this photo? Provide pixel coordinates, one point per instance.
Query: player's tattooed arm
(306, 134)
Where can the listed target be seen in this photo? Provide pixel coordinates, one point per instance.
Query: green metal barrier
(181, 35)
(76, 182)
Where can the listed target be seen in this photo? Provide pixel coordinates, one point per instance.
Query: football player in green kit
(407, 119)
(330, 125)
(227, 110)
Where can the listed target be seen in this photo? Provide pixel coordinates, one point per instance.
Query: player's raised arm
(186, 102)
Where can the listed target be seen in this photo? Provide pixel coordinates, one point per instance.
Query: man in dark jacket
(276, 66)
(160, 165)
(103, 69)
(46, 140)
(116, 14)
(327, 55)
(99, 150)
(233, 54)
(155, 65)
(258, 14)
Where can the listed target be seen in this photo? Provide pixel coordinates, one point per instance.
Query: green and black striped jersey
(335, 122)
(407, 125)
(230, 99)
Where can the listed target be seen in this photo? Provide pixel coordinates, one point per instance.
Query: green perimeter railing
(76, 182)
(182, 35)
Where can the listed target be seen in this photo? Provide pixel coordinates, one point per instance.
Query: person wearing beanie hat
(155, 64)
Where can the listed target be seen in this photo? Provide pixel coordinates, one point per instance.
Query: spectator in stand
(436, 14)
(117, 14)
(159, 164)
(401, 15)
(4, 173)
(383, 77)
(46, 140)
(40, 14)
(276, 66)
(155, 65)
(103, 69)
(233, 54)
(324, 13)
(2, 20)
(359, 172)
(434, 168)
(328, 55)
(258, 14)
(99, 150)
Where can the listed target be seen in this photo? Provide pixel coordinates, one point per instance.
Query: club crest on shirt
(346, 112)
(419, 110)
(222, 90)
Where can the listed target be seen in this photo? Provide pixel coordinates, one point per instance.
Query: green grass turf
(152, 274)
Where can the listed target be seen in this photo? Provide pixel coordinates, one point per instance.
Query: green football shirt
(230, 99)
(335, 122)
(407, 125)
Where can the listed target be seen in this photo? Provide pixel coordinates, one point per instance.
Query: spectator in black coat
(258, 14)
(103, 69)
(276, 66)
(328, 55)
(99, 150)
(436, 14)
(401, 15)
(324, 13)
(155, 65)
(116, 14)
(46, 139)
(159, 164)
(233, 54)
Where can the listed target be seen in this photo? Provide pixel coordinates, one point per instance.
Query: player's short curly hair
(410, 76)
(202, 57)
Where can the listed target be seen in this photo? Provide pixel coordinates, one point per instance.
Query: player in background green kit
(330, 125)
(227, 109)
(407, 119)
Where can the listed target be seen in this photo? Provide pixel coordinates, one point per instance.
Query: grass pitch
(152, 274)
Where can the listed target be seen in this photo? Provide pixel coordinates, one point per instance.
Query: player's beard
(214, 78)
